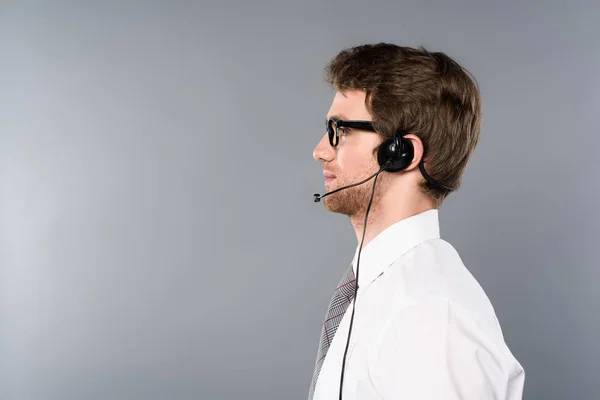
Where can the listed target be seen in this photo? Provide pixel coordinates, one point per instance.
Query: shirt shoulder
(442, 336)
(435, 271)
(433, 349)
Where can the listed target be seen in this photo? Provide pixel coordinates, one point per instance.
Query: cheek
(356, 164)
(348, 161)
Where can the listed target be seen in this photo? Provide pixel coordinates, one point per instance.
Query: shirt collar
(393, 242)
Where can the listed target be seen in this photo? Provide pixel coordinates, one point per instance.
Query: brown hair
(425, 93)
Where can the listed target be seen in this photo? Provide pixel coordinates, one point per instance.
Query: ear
(419, 150)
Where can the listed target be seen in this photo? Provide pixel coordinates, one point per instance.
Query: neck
(390, 209)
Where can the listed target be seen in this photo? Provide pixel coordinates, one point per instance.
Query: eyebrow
(337, 116)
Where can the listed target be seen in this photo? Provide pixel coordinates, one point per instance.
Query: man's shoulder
(434, 272)
(435, 266)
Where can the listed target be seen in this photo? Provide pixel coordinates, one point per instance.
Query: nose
(323, 152)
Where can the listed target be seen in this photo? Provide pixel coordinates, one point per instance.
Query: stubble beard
(354, 201)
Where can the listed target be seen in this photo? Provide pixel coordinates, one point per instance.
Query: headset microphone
(318, 197)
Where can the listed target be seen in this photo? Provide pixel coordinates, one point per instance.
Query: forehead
(349, 105)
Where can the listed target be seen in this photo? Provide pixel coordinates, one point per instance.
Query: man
(423, 327)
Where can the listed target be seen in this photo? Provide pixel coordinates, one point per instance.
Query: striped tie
(342, 296)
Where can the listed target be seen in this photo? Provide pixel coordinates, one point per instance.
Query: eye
(343, 130)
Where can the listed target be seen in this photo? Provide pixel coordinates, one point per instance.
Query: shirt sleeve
(433, 350)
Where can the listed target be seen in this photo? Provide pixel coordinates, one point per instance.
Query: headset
(393, 155)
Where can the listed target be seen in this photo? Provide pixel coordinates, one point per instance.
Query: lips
(329, 177)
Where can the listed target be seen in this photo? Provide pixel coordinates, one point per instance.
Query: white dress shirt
(423, 328)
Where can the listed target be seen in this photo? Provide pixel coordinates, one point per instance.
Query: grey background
(158, 238)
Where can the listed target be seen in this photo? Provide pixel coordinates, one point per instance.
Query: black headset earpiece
(399, 153)
(398, 150)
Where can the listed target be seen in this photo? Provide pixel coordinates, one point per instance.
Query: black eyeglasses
(333, 124)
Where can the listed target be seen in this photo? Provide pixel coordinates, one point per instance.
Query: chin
(337, 206)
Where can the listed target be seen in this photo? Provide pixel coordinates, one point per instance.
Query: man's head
(398, 88)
